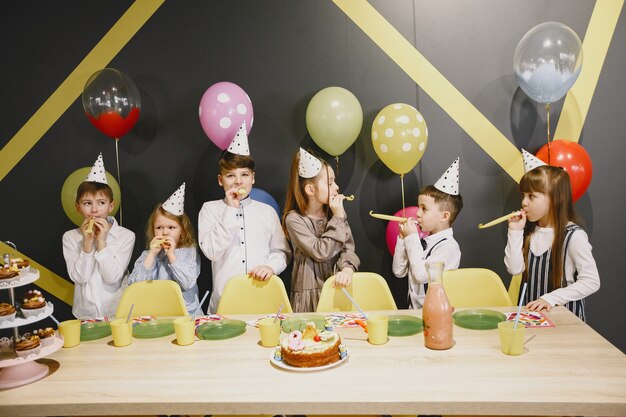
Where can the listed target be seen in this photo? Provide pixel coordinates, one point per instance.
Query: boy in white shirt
(239, 235)
(98, 252)
(439, 205)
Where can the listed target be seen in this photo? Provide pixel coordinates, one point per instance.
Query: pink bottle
(437, 311)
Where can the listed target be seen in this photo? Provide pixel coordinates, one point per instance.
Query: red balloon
(574, 159)
(114, 125)
(393, 228)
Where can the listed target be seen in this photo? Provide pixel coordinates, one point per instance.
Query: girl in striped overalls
(548, 247)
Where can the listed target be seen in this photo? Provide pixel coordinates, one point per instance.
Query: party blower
(499, 219)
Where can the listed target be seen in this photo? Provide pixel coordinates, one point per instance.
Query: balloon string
(337, 163)
(119, 178)
(548, 126)
(402, 182)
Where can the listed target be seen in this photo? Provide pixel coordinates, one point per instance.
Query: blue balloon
(265, 197)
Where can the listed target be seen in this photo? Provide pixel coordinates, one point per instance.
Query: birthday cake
(310, 348)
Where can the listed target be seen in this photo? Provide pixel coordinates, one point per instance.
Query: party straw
(354, 302)
(130, 312)
(519, 307)
(54, 320)
(206, 294)
(278, 312)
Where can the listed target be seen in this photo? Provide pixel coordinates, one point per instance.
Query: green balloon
(334, 119)
(68, 193)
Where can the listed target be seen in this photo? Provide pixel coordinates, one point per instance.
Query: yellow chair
(245, 295)
(158, 297)
(514, 285)
(475, 287)
(368, 289)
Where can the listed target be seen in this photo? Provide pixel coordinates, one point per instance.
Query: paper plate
(478, 319)
(95, 330)
(404, 325)
(221, 329)
(153, 328)
(299, 322)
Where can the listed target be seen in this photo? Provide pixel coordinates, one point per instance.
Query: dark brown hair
(92, 187)
(446, 202)
(230, 161)
(187, 237)
(554, 182)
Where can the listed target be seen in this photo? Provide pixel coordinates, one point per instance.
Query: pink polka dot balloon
(223, 107)
(393, 228)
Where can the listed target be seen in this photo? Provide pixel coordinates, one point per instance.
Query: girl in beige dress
(315, 223)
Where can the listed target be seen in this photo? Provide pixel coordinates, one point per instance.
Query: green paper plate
(94, 331)
(478, 319)
(221, 329)
(299, 323)
(404, 325)
(153, 329)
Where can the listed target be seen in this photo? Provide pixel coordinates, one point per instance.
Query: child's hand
(336, 205)
(156, 244)
(344, 277)
(518, 222)
(538, 305)
(101, 229)
(233, 197)
(261, 272)
(88, 232)
(409, 227)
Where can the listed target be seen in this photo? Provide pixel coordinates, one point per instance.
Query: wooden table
(568, 370)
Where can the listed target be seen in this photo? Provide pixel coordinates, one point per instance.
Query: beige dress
(321, 248)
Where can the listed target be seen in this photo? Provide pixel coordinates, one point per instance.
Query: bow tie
(424, 244)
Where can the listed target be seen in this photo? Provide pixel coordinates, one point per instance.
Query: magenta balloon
(393, 228)
(223, 107)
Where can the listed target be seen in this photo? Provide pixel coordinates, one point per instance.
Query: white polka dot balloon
(399, 137)
(223, 107)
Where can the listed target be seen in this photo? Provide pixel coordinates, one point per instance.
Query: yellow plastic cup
(122, 332)
(270, 331)
(70, 330)
(377, 329)
(185, 328)
(511, 341)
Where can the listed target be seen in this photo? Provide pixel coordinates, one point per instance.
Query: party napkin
(531, 319)
(269, 316)
(345, 319)
(209, 318)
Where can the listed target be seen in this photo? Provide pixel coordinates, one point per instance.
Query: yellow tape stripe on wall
(402, 52)
(99, 57)
(595, 47)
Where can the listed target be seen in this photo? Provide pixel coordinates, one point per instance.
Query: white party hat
(531, 161)
(239, 145)
(308, 166)
(449, 181)
(175, 204)
(98, 174)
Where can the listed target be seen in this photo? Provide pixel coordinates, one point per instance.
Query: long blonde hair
(296, 198)
(554, 182)
(187, 237)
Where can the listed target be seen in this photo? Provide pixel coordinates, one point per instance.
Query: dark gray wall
(281, 53)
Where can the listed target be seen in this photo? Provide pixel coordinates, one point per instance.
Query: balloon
(265, 197)
(574, 159)
(393, 228)
(112, 102)
(547, 61)
(334, 119)
(68, 193)
(399, 137)
(223, 107)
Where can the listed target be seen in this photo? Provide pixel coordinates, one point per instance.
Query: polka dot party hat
(531, 161)
(175, 204)
(308, 166)
(98, 174)
(449, 181)
(239, 145)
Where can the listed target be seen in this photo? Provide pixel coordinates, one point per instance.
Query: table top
(568, 369)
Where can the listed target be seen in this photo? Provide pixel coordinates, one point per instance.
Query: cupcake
(33, 303)
(7, 312)
(45, 335)
(27, 345)
(7, 271)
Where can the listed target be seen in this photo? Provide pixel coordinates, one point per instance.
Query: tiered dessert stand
(15, 370)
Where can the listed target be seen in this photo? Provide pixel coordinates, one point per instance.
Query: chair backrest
(514, 286)
(245, 295)
(368, 289)
(475, 287)
(158, 297)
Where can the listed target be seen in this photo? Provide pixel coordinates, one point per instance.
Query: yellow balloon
(399, 137)
(68, 193)
(334, 119)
